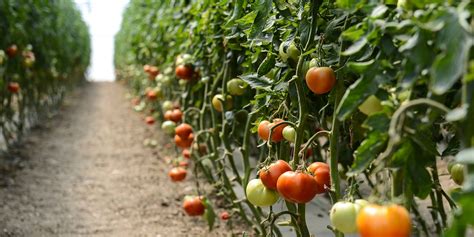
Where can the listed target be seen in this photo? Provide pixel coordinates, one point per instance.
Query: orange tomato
(388, 221)
(321, 175)
(320, 80)
(183, 130)
(177, 174)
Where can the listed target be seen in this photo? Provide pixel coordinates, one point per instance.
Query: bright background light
(104, 18)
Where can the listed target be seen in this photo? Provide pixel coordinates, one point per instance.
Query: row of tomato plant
(44, 50)
(331, 98)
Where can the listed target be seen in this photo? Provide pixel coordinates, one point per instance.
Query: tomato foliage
(44, 51)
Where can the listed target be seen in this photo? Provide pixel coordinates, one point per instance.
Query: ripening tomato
(184, 142)
(149, 120)
(193, 206)
(343, 216)
(177, 174)
(289, 133)
(270, 174)
(320, 80)
(168, 115)
(12, 50)
(457, 173)
(153, 72)
(236, 86)
(13, 87)
(184, 72)
(370, 106)
(277, 134)
(183, 130)
(374, 221)
(297, 186)
(259, 195)
(168, 127)
(217, 102)
(146, 68)
(321, 175)
(263, 130)
(151, 95)
(225, 216)
(186, 153)
(176, 115)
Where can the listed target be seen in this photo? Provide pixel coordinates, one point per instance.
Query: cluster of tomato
(28, 59)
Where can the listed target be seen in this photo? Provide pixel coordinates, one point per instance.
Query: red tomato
(13, 87)
(391, 221)
(184, 72)
(176, 115)
(320, 80)
(270, 174)
(12, 50)
(321, 175)
(297, 186)
(183, 163)
(193, 206)
(149, 120)
(177, 174)
(264, 130)
(184, 143)
(225, 216)
(146, 68)
(183, 130)
(186, 153)
(153, 72)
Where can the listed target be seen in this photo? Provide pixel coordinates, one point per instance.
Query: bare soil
(86, 172)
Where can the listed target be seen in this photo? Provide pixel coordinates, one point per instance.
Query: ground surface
(87, 173)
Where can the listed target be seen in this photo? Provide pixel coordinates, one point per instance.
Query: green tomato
(168, 127)
(236, 86)
(217, 103)
(457, 173)
(259, 195)
(343, 216)
(370, 106)
(167, 105)
(183, 83)
(361, 202)
(289, 133)
(283, 55)
(293, 52)
(2, 56)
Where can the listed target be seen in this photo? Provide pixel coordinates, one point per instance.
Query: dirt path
(87, 173)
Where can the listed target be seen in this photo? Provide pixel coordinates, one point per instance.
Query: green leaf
(267, 64)
(255, 81)
(356, 94)
(367, 152)
(421, 179)
(264, 8)
(360, 67)
(448, 66)
(377, 122)
(209, 214)
(355, 47)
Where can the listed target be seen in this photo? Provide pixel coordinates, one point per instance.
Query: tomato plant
(378, 94)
